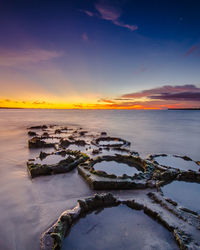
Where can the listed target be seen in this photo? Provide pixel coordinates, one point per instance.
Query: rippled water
(119, 228)
(28, 207)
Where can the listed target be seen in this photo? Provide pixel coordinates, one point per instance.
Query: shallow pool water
(113, 167)
(50, 159)
(52, 140)
(176, 162)
(185, 193)
(118, 228)
(111, 142)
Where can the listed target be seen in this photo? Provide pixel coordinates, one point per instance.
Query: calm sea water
(28, 207)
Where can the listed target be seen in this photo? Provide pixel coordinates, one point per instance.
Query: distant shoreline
(10, 108)
(98, 109)
(184, 109)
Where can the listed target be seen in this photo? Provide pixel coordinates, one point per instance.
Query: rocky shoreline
(82, 149)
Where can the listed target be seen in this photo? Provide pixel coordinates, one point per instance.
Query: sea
(28, 207)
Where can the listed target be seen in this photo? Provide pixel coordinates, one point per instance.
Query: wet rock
(37, 142)
(43, 155)
(88, 205)
(171, 201)
(101, 180)
(81, 143)
(188, 211)
(71, 137)
(168, 175)
(58, 131)
(82, 133)
(38, 127)
(32, 133)
(151, 183)
(152, 175)
(133, 204)
(65, 143)
(45, 135)
(73, 159)
(58, 231)
(185, 241)
(186, 158)
(118, 142)
(95, 151)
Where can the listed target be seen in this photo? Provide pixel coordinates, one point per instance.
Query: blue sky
(84, 52)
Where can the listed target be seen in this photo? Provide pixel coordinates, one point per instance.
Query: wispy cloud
(185, 96)
(191, 50)
(41, 103)
(85, 37)
(15, 58)
(167, 89)
(27, 104)
(157, 98)
(110, 13)
(106, 100)
(87, 12)
(140, 70)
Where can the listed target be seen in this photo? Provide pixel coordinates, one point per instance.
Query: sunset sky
(100, 54)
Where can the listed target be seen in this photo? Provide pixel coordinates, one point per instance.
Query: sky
(100, 54)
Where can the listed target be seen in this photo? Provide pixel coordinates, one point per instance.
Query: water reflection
(177, 162)
(119, 228)
(191, 197)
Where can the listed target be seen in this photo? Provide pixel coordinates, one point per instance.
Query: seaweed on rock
(101, 180)
(54, 236)
(71, 160)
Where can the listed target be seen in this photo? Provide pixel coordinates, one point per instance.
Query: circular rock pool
(118, 228)
(176, 162)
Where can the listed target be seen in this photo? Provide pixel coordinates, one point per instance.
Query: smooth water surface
(111, 142)
(185, 193)
(29, 207)
(177, 162)
(116, 168)
(50, 159)
(118, 228)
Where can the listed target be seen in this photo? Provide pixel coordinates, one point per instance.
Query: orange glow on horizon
(46, 105)
(81, 103)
